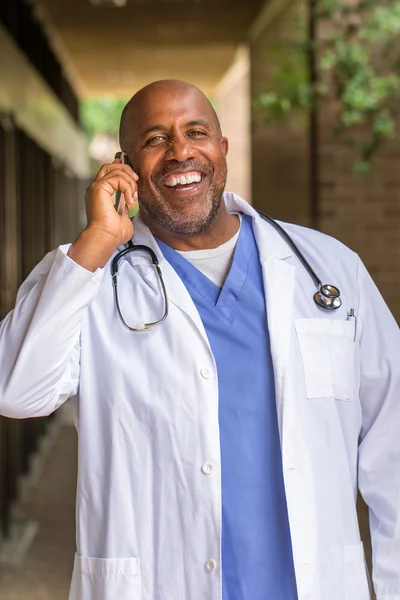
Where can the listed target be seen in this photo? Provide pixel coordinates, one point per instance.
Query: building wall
(43, 164)
(364, 213)
(232, 99)
(280, 157)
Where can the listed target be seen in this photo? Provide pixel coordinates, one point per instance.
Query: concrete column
(232, 100)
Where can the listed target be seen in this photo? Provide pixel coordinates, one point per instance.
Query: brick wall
(363, 213)
(280, 158)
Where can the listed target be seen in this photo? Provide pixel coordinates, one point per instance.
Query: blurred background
(307, 92)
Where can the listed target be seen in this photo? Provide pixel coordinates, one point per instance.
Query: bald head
(158, 94)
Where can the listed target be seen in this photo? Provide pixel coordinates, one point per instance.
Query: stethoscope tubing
(294, 247)
(326, 297)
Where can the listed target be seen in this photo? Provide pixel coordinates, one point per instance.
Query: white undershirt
(214, 263)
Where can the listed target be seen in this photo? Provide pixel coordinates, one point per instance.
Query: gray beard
(174, 221)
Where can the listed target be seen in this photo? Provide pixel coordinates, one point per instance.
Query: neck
(222, 229)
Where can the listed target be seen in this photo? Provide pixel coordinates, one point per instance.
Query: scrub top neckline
(223, 299)
(211, 253)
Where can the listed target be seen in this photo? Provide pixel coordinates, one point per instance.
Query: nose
(180, 149)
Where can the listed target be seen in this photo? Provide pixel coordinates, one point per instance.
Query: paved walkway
(46, 571)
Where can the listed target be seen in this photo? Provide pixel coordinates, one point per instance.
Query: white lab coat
(148, 516)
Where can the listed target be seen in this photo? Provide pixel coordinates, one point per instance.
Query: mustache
(191, 164)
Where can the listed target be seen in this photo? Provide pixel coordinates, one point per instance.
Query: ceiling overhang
(107, 49)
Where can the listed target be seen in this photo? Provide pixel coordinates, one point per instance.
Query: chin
(191, 222)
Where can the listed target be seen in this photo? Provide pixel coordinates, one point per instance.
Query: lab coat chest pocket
(105, 579)
(327, 352)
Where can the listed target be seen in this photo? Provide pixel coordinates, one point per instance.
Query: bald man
(225, 419)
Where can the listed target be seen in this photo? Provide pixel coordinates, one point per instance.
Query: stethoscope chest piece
(328, 297)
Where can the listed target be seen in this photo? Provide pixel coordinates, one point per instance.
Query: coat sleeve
(40, 338)
(379, 450)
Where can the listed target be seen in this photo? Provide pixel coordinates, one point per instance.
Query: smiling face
(173, 141)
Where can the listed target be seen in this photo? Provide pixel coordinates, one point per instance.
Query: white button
(206, 373)
(208, 467)
(210, 565)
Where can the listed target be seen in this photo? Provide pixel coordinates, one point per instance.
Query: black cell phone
(119, 203)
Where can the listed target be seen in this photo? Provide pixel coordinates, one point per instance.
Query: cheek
(220, 167)
(147, 186)
(145, 189)
(144, 166)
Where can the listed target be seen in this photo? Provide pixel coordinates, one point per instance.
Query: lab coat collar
(270, 242)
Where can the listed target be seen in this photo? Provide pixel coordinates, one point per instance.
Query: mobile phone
(119, 202)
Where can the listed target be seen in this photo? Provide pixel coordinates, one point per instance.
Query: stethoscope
(327, 296)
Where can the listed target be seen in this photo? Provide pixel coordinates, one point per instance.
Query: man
(220, 451)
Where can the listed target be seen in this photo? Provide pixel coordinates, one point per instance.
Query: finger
(112, 184)
(107, 168)
(122, 175)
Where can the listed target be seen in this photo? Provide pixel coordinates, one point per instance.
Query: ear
(123, 154)
(224, 145)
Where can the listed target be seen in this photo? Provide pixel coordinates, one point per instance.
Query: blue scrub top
(257, 560)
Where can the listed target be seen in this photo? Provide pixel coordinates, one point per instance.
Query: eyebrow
(153, 128)
(163, 127)
(197, 122)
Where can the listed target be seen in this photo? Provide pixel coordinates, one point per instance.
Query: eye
(197, 134)
(156, 140)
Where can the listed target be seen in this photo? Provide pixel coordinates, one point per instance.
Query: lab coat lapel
(279, 279)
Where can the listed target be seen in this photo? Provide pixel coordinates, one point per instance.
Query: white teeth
(183, 180)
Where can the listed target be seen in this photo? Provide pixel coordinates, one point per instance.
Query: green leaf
(362, 168)
(352, 117)
(384, 125)
(328, 60)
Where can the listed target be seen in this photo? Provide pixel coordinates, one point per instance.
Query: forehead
(171, 108)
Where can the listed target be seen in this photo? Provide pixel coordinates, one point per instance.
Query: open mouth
(184, 181)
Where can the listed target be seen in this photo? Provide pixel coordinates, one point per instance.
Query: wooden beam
(36, 109)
